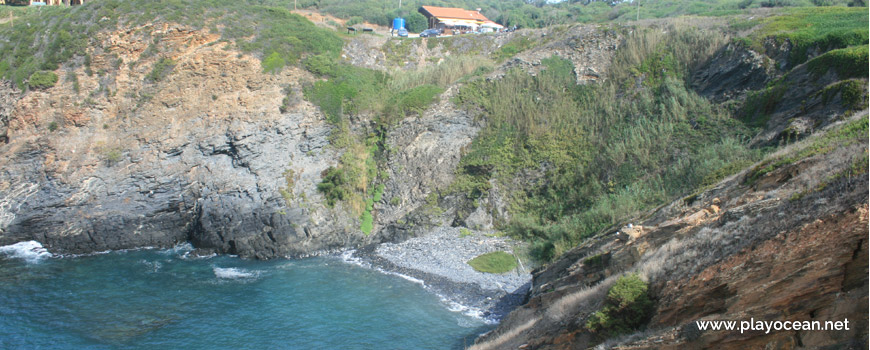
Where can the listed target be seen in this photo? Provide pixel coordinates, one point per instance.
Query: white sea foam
(153, 266)
(405, 277)
(347, 256)
(466, 310)
(30, 251)
(234, 273)
(180, 249)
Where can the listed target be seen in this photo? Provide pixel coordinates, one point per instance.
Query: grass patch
(494, 262)
(464, 232)
(513, 47)
(849, 62)
(820, 28)
(627, 307)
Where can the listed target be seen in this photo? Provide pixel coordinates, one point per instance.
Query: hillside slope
(788, 245)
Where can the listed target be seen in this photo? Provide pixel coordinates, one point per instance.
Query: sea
(170, 299)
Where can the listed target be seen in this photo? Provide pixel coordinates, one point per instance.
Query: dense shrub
(333, 185)
(273, 63)
(627, 307)
(42, 80)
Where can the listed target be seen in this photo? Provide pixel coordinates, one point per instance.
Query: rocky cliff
(152, 143)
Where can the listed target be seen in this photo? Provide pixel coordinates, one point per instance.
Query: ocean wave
(234, 273)
(348, 257)
(30, 251)
(405, 277)
(466, 310)
(180, 250)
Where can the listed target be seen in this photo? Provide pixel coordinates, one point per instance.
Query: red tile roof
(452, 12)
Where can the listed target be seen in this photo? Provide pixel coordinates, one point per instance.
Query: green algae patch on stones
(494, 262)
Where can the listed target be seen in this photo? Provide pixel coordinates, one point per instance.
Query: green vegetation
(464, 232)
(516, 45)
(626, 308)
(273, 63)
(413, 100)
(52, 126)
(388, 98)
(529, 14)
(48, 37)
(494, 262)
(42, 80)
(608, 150)
(759, 105)
(850, 62)
(161, 69)
(333, 185)
(595, 260)
(820, 29)
(852, 94)
(849, 133)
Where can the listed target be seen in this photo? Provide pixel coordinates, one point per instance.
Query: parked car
(430, 33)
(403, 32)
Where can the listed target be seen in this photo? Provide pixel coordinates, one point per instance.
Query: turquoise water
(160, 299)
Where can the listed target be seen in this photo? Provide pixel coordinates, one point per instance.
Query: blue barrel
(398, 23)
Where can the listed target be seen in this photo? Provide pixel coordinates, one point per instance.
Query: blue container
(398, 23)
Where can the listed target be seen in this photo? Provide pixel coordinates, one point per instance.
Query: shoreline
(438, 259)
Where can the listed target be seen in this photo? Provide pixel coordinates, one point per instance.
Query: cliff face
(199, 154)
(152, 143)
(117, 159)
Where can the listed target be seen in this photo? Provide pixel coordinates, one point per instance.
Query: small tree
(416, 23)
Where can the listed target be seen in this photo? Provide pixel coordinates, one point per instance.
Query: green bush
(627, 307)
(322, 64)
(494, 262)
(354, 21)
(161, 69)
(366, 223)
(333, 185)
(416, 23)
(42, 80)
(273, 63)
